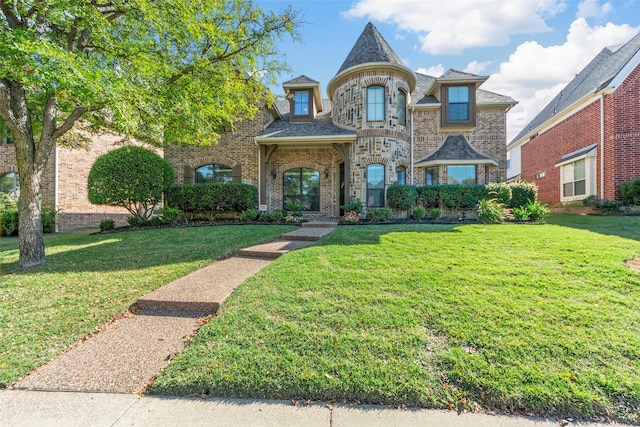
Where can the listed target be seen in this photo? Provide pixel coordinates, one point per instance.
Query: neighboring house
(586, 141)
(382, 124)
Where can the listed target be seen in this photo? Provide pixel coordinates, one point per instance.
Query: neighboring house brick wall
(625, 136)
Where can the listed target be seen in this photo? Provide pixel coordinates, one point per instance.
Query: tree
(163, 71)
(130, 177)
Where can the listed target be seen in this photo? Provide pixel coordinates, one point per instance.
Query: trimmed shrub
(212, 197)
(401, 197)
(429, 196)
(353, 205)
(275, 216)
(419, 212)
(435, 214)
(107, 224)
(523, 193)
(130, 177)
(630, 192)
(249, 214)
(490, 211)
(379, 214)
(136, 221)
(171, 215)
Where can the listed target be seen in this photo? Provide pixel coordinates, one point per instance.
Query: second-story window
(375, 103)
(458, 97)
(301, 103)
(402, 108)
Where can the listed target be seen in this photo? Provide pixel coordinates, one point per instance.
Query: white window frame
(567, 168)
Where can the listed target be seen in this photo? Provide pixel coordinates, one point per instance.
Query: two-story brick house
(382, 123)
(586, 141)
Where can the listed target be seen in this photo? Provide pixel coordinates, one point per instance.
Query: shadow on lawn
(133, 251)
(627, 227)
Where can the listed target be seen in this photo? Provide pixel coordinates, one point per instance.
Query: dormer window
(301, 103)
(458, 105)
(402, 108)
(375, 103)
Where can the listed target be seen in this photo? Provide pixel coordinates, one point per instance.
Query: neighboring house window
(461, 174)
(213, 173)
(574, 179)
(9, 184)
(302, 185)
(375, 185)
(301, 103)
(402, 175)
(458, 106)
(431, 176)
(375, 103)
(402, 108)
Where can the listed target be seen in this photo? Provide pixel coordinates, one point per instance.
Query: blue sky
(530, 48)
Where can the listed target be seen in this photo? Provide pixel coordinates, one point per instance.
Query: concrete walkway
(92, 383)
(126, 354)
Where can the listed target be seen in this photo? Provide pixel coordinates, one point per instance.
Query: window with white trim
(578, 179)
(375, 103)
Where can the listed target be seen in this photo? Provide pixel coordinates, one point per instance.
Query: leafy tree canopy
(162, 71)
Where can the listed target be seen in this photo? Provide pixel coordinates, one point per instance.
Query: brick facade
(621, 111)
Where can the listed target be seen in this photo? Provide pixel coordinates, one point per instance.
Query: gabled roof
(301, 80)
(597, 75)
(425, 95)
(283, 130)
(370, 47)
(455, 150)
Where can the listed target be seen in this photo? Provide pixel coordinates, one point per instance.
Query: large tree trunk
(29, 212)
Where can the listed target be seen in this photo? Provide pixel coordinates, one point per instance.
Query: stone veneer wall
(386, 142)
(488, 137)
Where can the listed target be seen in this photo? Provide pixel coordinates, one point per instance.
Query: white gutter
(411, 154)
(602, 145)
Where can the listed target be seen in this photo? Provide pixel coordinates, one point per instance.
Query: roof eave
(426, 163)
(368, 66)
(305, 140)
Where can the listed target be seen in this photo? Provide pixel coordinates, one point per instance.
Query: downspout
(55, 189)
(411, 154)
(602, 145)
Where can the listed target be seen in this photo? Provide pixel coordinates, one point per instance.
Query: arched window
(302, 185)
(402, 108)
(402, 175)
(213, 173)
(10, 185)
(375, 185)
(375, 103)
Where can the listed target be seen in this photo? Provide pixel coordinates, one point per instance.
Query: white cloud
(534, 73)
(451, 26)
(475, 67)
(433, 71)
(592, 9)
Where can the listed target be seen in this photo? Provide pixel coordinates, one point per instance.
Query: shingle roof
(455, 147)
(424, 83)
(321, 126)
(595, 76)
(301, 79)
(370, 47)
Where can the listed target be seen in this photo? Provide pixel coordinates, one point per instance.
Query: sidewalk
(58, 409)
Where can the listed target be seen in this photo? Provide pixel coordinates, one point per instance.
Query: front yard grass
(540, 319)
(88, 279)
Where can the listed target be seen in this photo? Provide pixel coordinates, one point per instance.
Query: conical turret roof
(370, 47)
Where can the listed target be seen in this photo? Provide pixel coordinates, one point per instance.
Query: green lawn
(88, 279)
(537, 318)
